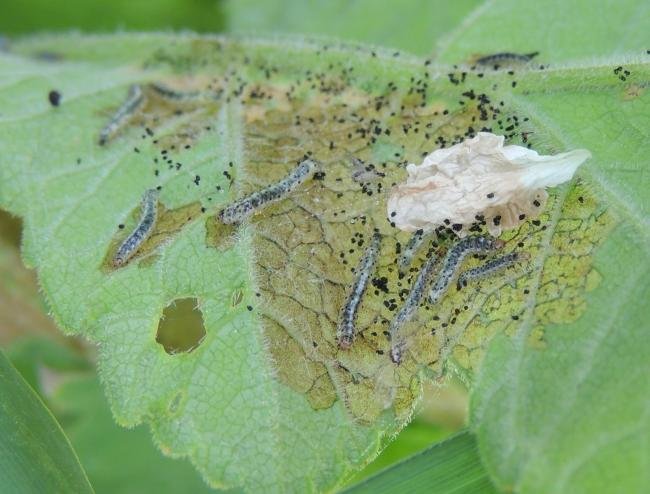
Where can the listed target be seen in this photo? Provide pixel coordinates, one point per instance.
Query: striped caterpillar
(124, 113)
(142, 230)
(454, 258)
(410, 306)
(247, 206)
(490, 267)
(506, 57)
(411, 249)
(346, 328)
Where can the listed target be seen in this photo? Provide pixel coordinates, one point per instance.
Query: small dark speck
(536, 203)
(490, 195)
(54, 97)
(249, 307)
(121, 226)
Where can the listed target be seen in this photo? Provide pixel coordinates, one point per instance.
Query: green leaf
(35, 455)
(266, 400)
(452, 466)
(560, 31)
(127, 461)
(573, 417)
(412, 25)
(412, 439)
(221, 404)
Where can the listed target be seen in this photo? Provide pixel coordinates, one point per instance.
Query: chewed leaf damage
(310, 235)
(310, 248)
(214, 123)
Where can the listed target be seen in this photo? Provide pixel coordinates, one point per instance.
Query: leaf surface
(412, 25)
(266, 400)
(574, 416)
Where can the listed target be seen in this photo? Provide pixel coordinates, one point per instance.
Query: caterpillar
(141, 231)
(410, 306)
(346, 328)
(245, 207)
(506, 57)
(124, 113)
(490, 267)
(455, 256)
(411, 249)
(172, 94)
(363, 173)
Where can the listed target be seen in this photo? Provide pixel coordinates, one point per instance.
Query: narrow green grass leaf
(35, 455)
(450, 467)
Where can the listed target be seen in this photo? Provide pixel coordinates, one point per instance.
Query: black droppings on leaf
(54, 97)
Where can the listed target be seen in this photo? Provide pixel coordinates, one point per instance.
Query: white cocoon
(479, 176)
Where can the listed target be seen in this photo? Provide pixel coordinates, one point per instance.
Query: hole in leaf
(10, 229)
(181, 327)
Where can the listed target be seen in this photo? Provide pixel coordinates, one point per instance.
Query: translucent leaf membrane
(266, 399)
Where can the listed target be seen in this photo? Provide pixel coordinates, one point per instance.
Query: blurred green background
(61, 369)
(28, 16)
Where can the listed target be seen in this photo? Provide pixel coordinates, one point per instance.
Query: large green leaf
(412, 25)
(574, 417)
(560, 31)
(35, 455)
(221, 404)
(266, 401)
